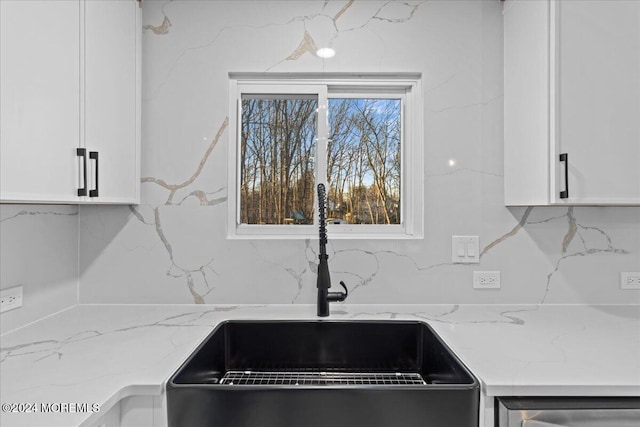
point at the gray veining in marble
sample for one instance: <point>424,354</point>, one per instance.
<point>546,255</point>
<point>104,353</point>
<point>173,247</point>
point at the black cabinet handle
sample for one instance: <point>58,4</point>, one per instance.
<point>564,157</point>
<point>82,152</point>
<point>94,156</point>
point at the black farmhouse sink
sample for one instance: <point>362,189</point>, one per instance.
<point>322,373</point>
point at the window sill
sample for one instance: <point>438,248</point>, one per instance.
<point>340,232</point>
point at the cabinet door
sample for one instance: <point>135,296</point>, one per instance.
<point>111,100</point>
<point>598,101</point>
<point>39,100</point>
<point>526,103</point>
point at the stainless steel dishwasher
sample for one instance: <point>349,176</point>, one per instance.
<point>569,412</point>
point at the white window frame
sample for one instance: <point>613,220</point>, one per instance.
<point>405,86</point>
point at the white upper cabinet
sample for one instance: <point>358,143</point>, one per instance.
<point>70,93</point>
<point>39,100</point>
<point>111,96</point>
<point>572,102</point>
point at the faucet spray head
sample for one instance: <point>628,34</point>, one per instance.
<point>324,278</point>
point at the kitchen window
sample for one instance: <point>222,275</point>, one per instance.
<point>360,135</point>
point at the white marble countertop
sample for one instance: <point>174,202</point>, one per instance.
<point>103,353</point>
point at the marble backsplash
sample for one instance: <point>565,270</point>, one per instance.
<point>172,248</point>
<point>38,251</point>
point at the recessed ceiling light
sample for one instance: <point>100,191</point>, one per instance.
<point>452,162</point>
<point>326,52</point>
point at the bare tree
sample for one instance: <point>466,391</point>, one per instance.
<point>363,160</point>
<point>277,142</point>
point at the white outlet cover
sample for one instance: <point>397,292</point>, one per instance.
<point>486,280</point>
<point>630,280</point>
<point>10,298</point>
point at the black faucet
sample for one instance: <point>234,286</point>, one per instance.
<point>324,279</point>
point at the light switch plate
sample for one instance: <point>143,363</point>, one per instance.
<point>465,249</point>
<point>10,298</point>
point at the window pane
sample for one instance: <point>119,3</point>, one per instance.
<point>363,160</point>
<point>277,156</point>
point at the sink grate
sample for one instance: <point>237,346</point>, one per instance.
<point>321,378</point>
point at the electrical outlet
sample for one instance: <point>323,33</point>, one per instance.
<point>486,280</point>
<point>630,280</point>
<point>10,298</point>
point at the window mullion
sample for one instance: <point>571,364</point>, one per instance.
<point>238,130</point>
<point>321,145</point>
<point>405,150</point>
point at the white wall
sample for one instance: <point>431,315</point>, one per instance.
<point>172,248</point>
<point>38,250</point>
